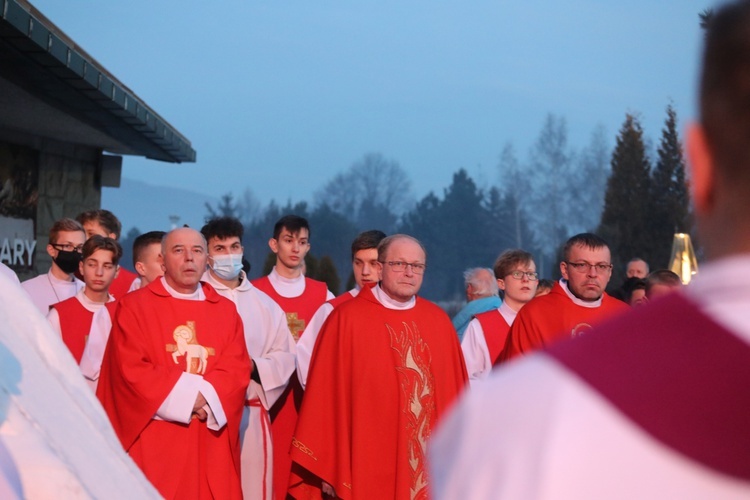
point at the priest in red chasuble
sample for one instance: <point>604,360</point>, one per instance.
<point>174,377</point>
<point>386,366</point>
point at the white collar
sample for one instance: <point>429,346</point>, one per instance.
<point>576,300</point>
<point>390,303</point>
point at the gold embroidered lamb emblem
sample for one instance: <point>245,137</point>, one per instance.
<point>196,356</point>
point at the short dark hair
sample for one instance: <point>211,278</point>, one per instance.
<point>65,224</point>
<point>223,228</point>
<point>508,260</point>
<point>145,240</point>
<point>545,284</point>
<point>586,240</point>
<point>105,218</point>
<point>663,277</point>
<point>97,242</point>
<point>724,90</point>
<point>631,285</point>
<point>292,223</point>
<point>367,239</point>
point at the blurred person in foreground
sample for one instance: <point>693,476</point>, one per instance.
<point>653,404</point>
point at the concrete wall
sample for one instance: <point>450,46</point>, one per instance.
<point>68,185</point>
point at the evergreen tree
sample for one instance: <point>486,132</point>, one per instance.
<point>625,219</point>
<point>669,194</point>
<point>328,274</point>
<point>269,263</point>
<point>454,231</point>
<point>311,266</point>
<point>225,208</point>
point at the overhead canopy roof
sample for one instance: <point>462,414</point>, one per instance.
<point>50,87</point>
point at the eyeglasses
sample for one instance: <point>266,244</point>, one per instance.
<point>583,267</point>
<point>67,247</point>
<point>532,276</point>
<point>400,266</point>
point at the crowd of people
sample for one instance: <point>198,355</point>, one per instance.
<point>219,386</point>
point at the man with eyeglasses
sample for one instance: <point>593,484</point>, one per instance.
<point>576,303</point>
<point>487,333</point>
<point>66,239</point>
<point>386,366</point>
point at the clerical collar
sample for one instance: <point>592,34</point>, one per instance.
<point>508,314</point>
<point>389,303</point>
<point>287,287</point>
<point>196,295</point>
<point>576,300</point>
<point>88,303</point>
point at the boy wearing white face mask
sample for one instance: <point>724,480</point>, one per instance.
<point>269,343</point>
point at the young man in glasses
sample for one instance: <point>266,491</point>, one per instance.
<point>487,333</point>
<point>66,239</point>
<point>576,302</point>
<point>387,364</point>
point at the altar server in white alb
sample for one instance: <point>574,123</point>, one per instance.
<point>269,343</point>
<point>66,239</point>
<point>653,404</point>
<point>487,333</point>
<point>366,271</point>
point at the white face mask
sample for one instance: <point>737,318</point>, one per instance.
<point>228,266</point>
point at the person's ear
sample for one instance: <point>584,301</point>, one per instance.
<point>274,244</point>
<point>701,168</point>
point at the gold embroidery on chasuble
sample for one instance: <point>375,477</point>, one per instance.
<point>196,356</point>
<point>417,385</point>
<point>296,325</point>
<point>304,449</point>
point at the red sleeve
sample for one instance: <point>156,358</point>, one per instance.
<point>324,413</point>
<point>132,384</point>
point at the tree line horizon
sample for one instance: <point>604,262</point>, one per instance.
<point>633,198</point>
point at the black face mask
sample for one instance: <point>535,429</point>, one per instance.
<point>68,261</point>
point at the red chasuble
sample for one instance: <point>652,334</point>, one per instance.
<point>122,283</point>
<point>299,310</point>
<point>495,331</point>
<point>154,339</point>
<point>554,317</point>
<point>379,380</point>
<point>75,324</point>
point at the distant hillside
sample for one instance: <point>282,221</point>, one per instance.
<point>148,207</point>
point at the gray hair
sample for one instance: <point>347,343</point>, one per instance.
<point>482,280</point>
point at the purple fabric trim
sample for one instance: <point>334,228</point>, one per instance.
<point>677,374</point>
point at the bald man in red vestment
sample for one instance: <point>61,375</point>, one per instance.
<point>174,376</point>
<point>386,366</point>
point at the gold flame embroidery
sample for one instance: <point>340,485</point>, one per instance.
<point>417,385</point>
